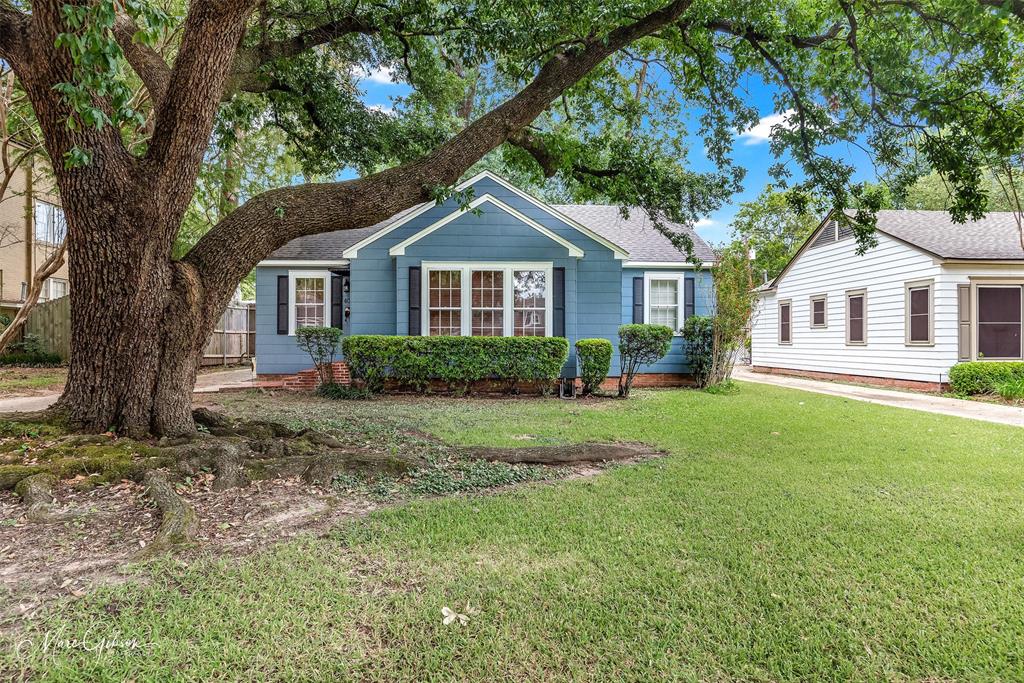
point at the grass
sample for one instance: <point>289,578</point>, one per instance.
<point>1011,390</point>
<point>788,536</point>
<point>26,381</point>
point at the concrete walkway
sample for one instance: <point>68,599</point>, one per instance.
<point>929,403</point>
<point>209,382</point>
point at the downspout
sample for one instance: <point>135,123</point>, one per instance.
<point>29,226</point>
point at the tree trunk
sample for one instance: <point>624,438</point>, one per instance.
<point>139,322</point>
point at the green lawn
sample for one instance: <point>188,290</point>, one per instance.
<point>788,536</point>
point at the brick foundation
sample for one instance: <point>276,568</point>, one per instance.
<point>307,380</point>
<point>888,382</point>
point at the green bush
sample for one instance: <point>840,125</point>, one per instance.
<point>342,392</point>
<point>321,343</point>
<point>1011,389</point>
<point>37,359</point>
<point>413,362</point>
<point>595,357</point>
<point>699,333</point>
<point>981,377</point>
<point>640,345</point>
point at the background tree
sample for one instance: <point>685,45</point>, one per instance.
<point>773,226</point>
<point>589,92</point>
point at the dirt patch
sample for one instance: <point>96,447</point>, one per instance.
<point>114,524</point>
<point>16,382</point>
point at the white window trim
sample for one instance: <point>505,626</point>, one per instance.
<point>467,268</point>
<point>908,287</point>
<point>680,279</point>
<point>399,249</point>
<point>293,275</point>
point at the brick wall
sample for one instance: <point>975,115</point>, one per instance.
<point>306,379</point>
<point>915,385</point>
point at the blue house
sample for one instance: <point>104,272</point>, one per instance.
<point>509,264</point>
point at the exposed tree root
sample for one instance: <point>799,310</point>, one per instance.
<point>564,455</point>
<point>179,522</point>
<point>36,492</point>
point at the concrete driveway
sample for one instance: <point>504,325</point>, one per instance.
<point>235,378</point>
<point>928,403</point>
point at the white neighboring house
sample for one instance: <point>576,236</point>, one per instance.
<point>932,293</point>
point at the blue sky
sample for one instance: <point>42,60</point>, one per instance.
<point>750,151</point>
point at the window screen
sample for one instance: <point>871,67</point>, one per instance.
<point>920,314</point>
<point>855,319</point>
<point>999,322</point>
<point>785,323</point>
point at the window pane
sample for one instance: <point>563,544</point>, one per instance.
<point>856,329</point>
<point>446,322</point>
<point>664,292</point>
<point>528,324</point>
<point>856,306</point>
<point>445,288</point>
<point>999,340</point>
<point>999,304</point>
<point>50,226</point>
<point>529,300</point>
<point>665,315</point>
<point>919,301</point>
<point>529,288</point>
<point>919,328</point>
<point>309,301</point>
<point>818,312</point>
<point>785,323</point>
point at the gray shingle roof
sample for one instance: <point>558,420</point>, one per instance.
<point>636,235</point>
<point>995,237</point>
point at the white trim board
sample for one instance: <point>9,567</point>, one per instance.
<point>399,249</point>
<point>620,253</point>
<point>680,280</point>
<point>300,263</point>
<point>667,264</point>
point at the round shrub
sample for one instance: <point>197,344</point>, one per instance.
<point>595,356</point>
<point>640,345</point>
<point>982,377</point>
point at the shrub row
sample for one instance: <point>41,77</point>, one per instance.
<point>982,377</point>
<point>595,356</point>
<point>37,359</point>
<point>414,362</point>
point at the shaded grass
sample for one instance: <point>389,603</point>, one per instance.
<point>27,381</point>
<point>788,536</point>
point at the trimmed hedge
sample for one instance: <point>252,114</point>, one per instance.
<point>34,359</point>
<point>595,360</point>
<point>981,377</point>
<point>640,345</point>
<point>414,362</point>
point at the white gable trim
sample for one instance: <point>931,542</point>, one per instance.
<point>399,249</point>
<point>620,253</point>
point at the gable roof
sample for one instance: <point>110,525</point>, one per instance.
<point>995,237</point>
<point>399,249</point>
<point>637,233</point>
<point>633,239</point>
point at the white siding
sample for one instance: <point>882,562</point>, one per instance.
<point>883,271</point>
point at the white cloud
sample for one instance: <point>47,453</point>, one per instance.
<point>378,74</point>
<point>705,223</point>
<point>763,130</point>
<point>382,108</point>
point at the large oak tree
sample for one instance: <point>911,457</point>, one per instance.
<point>606,96</point>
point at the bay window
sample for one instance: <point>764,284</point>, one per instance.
<point>999,321</point>
<point>487,299</point>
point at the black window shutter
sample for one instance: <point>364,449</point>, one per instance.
<point>689,303</point>
<point>337,304</point>
<point>638,300</point>
<point>415,297</point>
<point>558,305</point>
<point>282,304</point>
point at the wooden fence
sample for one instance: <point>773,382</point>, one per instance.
<point>232,341</point>
<point>234,338</point>
<point>51,322</point>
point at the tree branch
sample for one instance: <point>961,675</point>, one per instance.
<point>13,33</point>
<point>184,119</point>
<point>749,33</point>
<point>1015,7</point>
<point>228,252</point>
<point>144,60</point>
